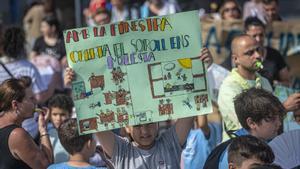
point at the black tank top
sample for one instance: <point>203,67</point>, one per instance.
<point>7,160</point>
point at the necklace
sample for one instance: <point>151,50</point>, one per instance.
<point>244,83</point>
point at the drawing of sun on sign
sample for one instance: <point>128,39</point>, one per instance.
<point>88,124</point>
<point>177,77</point>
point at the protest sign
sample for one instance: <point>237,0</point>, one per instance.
<point>137,72</point>
<point>218,34</point>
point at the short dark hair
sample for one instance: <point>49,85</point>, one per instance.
<point>257,104</point>
<point>69,136</point>
<point>247,147</point>
<point>265,166</point>
<point>61,101</point>
<point>269,1</point>
<point>253,21</point>
<point>14,42</point>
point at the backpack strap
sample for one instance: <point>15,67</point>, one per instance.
<point>5,68</point>
<point>102,154</point>
<point>213,159</point>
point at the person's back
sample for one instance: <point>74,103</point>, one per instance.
<point>80,148</point>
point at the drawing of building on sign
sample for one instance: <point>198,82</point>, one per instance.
<point>165,107</point>
<point>106,118</point>
<point>143,117</point>
<point>88,124</point>
<point>117,75</point>
<point>96,81</point>
<point>176,77</point>
<point>122,117</point>
<point>201,99</point>
<point>120,97</point>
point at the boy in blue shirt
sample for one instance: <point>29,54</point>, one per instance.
<point>80,148</point>
<point>259,113</point>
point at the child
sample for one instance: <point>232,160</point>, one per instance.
<point>146,150</point>
<point>80,148</point>
<point>260,113</point>
<point>247,150</point>
<point>60,108</point>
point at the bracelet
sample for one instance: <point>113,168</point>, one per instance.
<point>45,134</point>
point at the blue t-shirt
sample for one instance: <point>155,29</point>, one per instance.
<point>198,147</point>
<point>223,163</point>
<point>67,166</point>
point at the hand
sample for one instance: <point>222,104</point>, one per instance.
<point>206,56</point>
<point>69,76</point>
<point>43,120</point>
<point>292,103</point>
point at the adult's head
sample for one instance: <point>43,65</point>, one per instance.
<point>118,3</point>
<point>255,28</point>
<point>271,10</point>
<point>157,3</point>
<point>259,112</point>
<point>245,151</point>
<point>50,25</point>
<point>60,107</point>
<point>143,135</point>
<point>230,10</point>
<point>102,16</point>
<point>16,98</point>
<point>246,51</point>
<point>13,42</point>
<point>73,142</point>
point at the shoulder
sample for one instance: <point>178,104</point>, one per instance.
<point>19,137</point>
<point>60,166</point>
<point>271,52</point>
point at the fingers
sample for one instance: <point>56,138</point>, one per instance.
<point>69,76</point>
<point>206,56</point>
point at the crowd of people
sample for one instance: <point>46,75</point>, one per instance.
<point>38,126</point>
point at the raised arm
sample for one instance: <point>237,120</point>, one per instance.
<point>107,141</point>
<point>183,126</point>
<point>23,147</point>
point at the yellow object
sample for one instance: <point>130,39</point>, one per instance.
<point>185,63</point>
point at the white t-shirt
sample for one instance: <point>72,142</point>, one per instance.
<point>19,68</point>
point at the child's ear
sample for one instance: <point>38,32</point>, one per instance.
<point>252,125</point>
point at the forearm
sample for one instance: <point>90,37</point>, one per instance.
<point>183,127</point>
<point>46,148</point>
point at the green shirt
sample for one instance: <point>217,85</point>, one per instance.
<point>233,85</point>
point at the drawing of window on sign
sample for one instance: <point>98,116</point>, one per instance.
<point>176,77</point>
<point>88,124</point>
<point>79,91</point>
<point>201,99</point>
<point>143,117</point>
<point>96,81</point>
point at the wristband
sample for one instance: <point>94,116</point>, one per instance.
<point>45,134</point>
